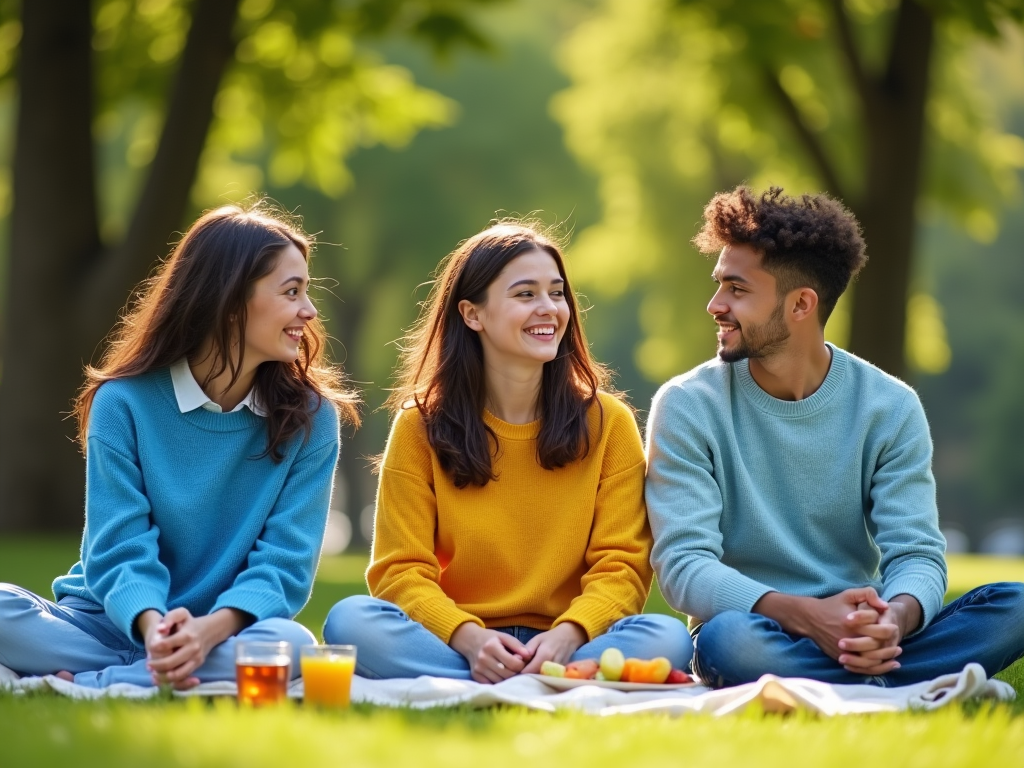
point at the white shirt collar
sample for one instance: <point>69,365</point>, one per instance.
<point>190,395</point>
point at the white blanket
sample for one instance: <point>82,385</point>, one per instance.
<point>770,693</point>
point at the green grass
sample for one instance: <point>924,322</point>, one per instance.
<point>48,730</point>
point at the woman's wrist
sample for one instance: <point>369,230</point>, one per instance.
<point>225,623</point>
<point>573,633</point>
<point>464,636</point>
<point>145,622</point>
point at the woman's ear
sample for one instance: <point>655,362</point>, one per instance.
<point>470,315</point>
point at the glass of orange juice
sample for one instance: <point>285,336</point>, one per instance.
<point>263,671</point>
<point>327,674</point>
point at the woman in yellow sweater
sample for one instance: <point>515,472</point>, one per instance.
<point>510,525</point>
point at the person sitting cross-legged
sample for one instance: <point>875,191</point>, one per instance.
<point>510,526</point>
<point>789,482</point>
<point>210,433</point>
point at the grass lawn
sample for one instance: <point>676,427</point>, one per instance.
<point>47,730</point>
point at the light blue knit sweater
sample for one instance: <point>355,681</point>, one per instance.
<point>179,512</point>
<point>748,494</point>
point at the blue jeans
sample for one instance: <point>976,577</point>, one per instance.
<point>39,637</point>
<point>985,626</point>
<point>390,644</point>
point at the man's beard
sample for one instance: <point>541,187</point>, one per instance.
<point>758,341</point>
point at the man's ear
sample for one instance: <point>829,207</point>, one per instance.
<point>470,315</point>
<point>805,304</point>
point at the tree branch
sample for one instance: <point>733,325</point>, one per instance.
<point>161,208</point>
<point>848,45</point>
<point>806,136</point>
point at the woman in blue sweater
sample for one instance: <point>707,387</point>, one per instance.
<point>211,435</point>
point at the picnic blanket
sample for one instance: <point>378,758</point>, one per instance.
<point>774,694</point>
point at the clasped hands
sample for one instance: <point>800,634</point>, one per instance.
<point>862,631</point>
<point>856,627</point>
<point>178,643</point>
<point>494,656</point>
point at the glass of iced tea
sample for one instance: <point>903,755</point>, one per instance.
<point>327,674</point>
<point>263,671</point>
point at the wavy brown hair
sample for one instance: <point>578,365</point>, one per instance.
<point>441,370</point>
<point>199,294</point>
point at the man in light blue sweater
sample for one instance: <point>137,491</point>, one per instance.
<point>789,482</point>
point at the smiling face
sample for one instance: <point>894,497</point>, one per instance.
<point>746,306</point>
<point>525,313</point>
<point>278,310</point>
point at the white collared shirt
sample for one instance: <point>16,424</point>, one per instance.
<point>190,395</point>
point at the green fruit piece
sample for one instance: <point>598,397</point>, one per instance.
<point>600,676</point>
<point>612,662</point>
<point>552,669</point>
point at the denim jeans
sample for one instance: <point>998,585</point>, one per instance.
<point>390,644</point>
<point>39,637</point>
<point>985,626</point>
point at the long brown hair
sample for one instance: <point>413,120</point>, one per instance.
<point>441,369</point>
<point>199,293</point>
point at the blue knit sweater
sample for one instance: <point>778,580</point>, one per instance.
<point>749,494</point>
<point>179,512</point>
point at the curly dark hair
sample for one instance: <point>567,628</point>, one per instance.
<point>811,241</point>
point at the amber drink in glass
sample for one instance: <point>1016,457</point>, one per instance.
<point>263,671</point>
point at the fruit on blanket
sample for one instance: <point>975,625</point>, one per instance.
<point>552,669</point>
<point>581,670</point>
<point>612,662</point>
<point>629,669</point>
<point>677,676</point>
<point>643,671</point>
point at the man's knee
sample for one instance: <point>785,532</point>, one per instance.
<point>730,648</point>
<point>1010,594</point>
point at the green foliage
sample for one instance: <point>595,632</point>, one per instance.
<point>975,408</point>
<point>984,16</point>
<point>303,93</point>
<point>672,100</point>
<point>408,209</point>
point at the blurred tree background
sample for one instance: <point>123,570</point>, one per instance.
<point>397,128</point>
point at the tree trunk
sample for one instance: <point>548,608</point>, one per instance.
<point>54,241</point>
<point>63,286</point>
<point>894,116</point>
<point>162,206</point>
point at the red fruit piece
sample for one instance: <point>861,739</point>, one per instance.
<point>677,676</point>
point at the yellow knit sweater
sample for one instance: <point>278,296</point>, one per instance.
<point>533,548</point>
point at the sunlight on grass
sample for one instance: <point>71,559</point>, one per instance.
<point>43,731</point>
<point>342,569</point>
<point>969,571</point>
